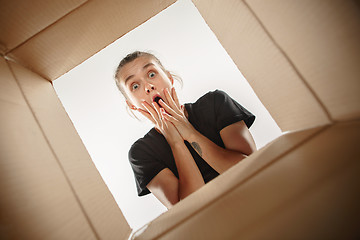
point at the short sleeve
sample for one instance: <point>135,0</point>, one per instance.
<point>228,111</point>
<point>144,165</point>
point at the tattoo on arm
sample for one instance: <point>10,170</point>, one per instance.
<point>197,148</point>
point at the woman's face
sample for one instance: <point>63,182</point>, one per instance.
<point>144,80</point>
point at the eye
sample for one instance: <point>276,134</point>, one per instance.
<point>151,74</point>
<point>134,86</point>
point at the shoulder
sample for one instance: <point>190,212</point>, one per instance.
<point>220,95</point>
<point>211,97</point>
<point>208,103</point>
<point>213,94</point>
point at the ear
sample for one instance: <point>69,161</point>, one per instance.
<point>131,106</point>
<point>170,77</point>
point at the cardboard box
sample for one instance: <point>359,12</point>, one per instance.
<point>300,57</point>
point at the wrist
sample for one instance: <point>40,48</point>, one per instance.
<point>193,134</point>
<point>177,144</point>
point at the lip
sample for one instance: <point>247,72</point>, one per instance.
<point>155,96</point>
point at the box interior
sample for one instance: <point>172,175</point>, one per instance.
<point>301,59</point>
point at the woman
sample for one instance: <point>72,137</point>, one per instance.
<point>190,144</point>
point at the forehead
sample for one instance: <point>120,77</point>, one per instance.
<point>134,67</point>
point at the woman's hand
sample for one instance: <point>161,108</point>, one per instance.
<point>154,114</point>
<point>176,115</point>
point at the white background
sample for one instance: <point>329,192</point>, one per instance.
<point>185,45</point>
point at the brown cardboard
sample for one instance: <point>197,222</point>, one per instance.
<point>36,201</point>
<point>79,35</point>
<point>86,182</point>
<point>329,36</point>
<point>20,20</point>
<point>276,82</point>
<point>2,50</point>
<point>301,59</point>
<point>310,191</point>
<point>227,182</point>
<point>9,91</point>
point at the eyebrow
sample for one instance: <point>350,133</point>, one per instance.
<point>144,67</point>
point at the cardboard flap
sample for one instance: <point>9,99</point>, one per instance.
<point>22,19</point>
<point>288,197</point>
<point>224,183</point>
<point>2,49</point>
<point>300,57</point>
<point>68,157</point>
<point>322,40</point>
<point>77,36</point>
<point>268,70</point>
<point>37,201</point>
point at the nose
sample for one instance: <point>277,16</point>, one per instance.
<point>149,87</point>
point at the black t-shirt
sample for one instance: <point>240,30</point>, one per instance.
<point>209,114</point>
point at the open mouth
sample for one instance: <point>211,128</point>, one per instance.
<point>157,99</point>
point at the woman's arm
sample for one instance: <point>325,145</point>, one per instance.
<point>238,145</point>
<point>164,186</point>
<point>170,190</point>
<point>236,137</point>
<point>190,178</point>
